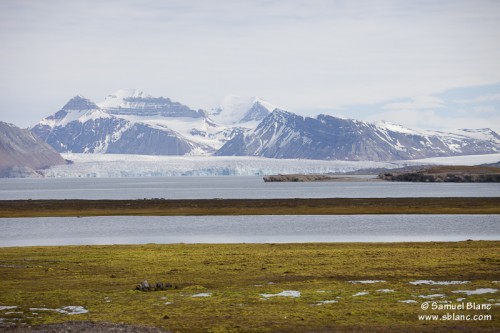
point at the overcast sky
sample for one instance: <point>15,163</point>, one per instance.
<point>394,60</point>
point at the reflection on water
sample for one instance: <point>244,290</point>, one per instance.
<point>246,229</point>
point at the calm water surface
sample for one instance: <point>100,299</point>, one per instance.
<point>246,229</point>
<point>227,187</point>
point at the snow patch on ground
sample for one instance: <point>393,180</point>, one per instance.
<point>202,295</point>
<point>285,293</point>
<point>432,296</point>
<point>367,281</point>
<point>67,310</point>
<point>437,283</point>
<point>7,307</point>
<point>408,301</point>
<point>326,302</point>
<point>479,291</point>
<point>361,293</point>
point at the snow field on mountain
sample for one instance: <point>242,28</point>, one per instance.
<point>461,160</point>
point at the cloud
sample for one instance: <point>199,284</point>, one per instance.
<point>416,103</point>
<point>429,119</point>
<point>299,54</point>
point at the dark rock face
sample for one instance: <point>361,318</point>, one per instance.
<point>78,103</point>
<point>21,152</point>
<point>91,136</point>
<point>286,135</point>
<point>455,174</point>
<point>142,139</point>
<point>256,112</point>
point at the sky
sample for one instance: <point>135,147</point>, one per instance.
<point>422,64</point>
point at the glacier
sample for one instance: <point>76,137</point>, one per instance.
<point>121,165</point>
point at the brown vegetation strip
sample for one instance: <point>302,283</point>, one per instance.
<point>328,206</point>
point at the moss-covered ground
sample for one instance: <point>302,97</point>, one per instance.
<point>193,207</point>
<point>233,284</point>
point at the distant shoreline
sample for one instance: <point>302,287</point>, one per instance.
<point>214,207</point>
<point>425,174</point>
<point>320,178</point>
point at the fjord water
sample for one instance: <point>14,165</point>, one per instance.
<point>238,229</point>
<point>252,187</point>
<point>246,229</point>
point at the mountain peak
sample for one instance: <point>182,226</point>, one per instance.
<point>235,109</point>
<point>119,98</point>
<point>79,103</point>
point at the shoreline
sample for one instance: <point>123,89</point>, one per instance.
<point>206,207</point>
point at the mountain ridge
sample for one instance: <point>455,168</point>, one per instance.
<point>133,122</point>
<point>286,135</point>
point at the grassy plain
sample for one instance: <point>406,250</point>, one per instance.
<point>160,207</point>
<point>230,282</point>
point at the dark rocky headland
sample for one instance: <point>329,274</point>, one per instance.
<point>447,174</point>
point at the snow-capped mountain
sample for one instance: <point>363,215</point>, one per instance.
<point>133,122</point>
<point>137,103</point>
<point>286,135</point>
<point>239,110</point>
<point>83,127</point>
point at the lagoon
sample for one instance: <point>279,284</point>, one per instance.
<point>234,187</point>
<point>246,229</point>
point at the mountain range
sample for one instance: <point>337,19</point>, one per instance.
<point>133,122</point>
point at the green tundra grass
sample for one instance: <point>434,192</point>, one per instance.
<point>229,288</point>
<point>194,207</point>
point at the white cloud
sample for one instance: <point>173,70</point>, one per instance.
<point>416,103</point>
<point>430,119</point>
<point>416,119</point>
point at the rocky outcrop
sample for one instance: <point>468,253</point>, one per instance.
<point>146,286</point>
<point>19,172</point>
<point>21,152</point>
<point>447,175</point>
<point>296,178</point>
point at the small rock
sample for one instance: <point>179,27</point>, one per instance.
<point>144,286</point>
